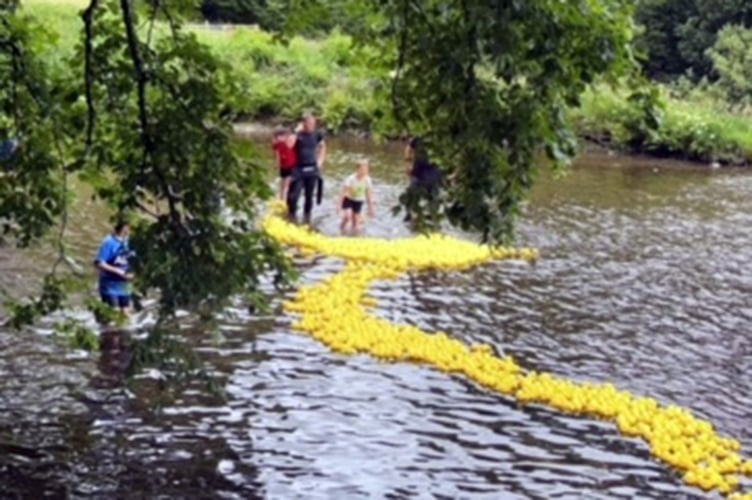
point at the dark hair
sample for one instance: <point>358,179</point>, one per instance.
<point>120,225</point>
<point>420,152</point>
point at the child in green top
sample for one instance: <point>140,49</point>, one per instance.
<point>356,190</point>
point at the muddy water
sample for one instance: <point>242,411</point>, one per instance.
<point>644,281</point>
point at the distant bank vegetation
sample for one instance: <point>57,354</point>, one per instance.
<point>700,62</point>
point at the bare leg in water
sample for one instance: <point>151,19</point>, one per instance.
<point>345,219</point>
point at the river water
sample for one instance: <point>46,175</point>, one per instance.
<point>644,281</point>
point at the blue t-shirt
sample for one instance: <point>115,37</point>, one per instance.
<point>115,253</point>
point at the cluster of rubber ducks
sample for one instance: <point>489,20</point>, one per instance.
<point>435,251</point>
<point>335,312</point>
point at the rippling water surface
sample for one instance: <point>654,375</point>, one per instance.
<point>644,281</point>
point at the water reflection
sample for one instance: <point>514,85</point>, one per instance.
<point>114,358</point>
<point>641,282</point>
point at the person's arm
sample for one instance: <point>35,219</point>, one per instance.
<point>115,270</point>
<point>321,157</point>
<point>110,269</point>
<point>105,254</point>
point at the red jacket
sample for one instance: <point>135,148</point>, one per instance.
<point>287,158</point>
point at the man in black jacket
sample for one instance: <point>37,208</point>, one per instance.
<point>310,149</point>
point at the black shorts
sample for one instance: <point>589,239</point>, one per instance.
<point>284,173</point>
<point>119,301</point>
<point>355,206</point>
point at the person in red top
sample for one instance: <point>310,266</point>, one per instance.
<point>283,144</point>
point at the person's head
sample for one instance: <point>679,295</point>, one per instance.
<point>309,122</point>
<point>363,167</point>
<point>281,134</point>
<point>416,143</point>
<point>122,229</point>
<point>418,148</point>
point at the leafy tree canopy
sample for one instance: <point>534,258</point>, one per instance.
<point>732,60</point>
<point>146,121</point>
<point>677,33</point>
<point>488,85</point>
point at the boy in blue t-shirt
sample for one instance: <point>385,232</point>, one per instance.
<point>114,268</point>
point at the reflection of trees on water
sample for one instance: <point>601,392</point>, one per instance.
<point>122,356</point>
<point>115,357</point>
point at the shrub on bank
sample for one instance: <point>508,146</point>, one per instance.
<point>696,127</point>
<point>325,76</point>
<point>282,81</point>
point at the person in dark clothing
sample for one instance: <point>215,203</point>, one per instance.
<point>310,150</point>
<point>424,175</point>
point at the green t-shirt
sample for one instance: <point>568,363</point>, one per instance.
<point>357,188</point>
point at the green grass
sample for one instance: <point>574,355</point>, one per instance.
<point>285,80</point>
<point>62,20</point>
<point>331,79</point>
<point>281,80</point>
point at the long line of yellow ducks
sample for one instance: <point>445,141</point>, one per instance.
<point>334,312</point>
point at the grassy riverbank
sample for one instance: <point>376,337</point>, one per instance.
<point>326,76</point>
<point>696,127</point>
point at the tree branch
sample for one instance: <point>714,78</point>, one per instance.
<point>20,70</point>
<point>148,212</point>
<point>396,106</point>
<point>88,17</point>
<point>142,79</point>
<point>174,26</point>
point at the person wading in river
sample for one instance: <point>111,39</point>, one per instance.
<point>357,190</point>
<point>310,150</point>
<point>283,145</point>
<point>425,177</point>
<point>114,268</point>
